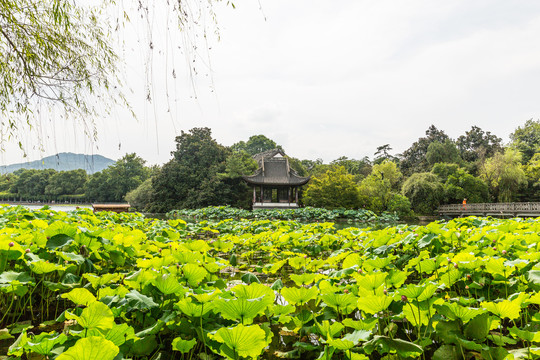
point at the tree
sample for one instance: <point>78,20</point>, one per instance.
<point>442,152</point>
<point>141,197</point>
<point>461,185</point>
<point>383,153</point>
<point>53,53</point>
<point>424,191</point>
<point>113,183</point>
<point>31,182</point>
<point>379,187</point>
<point>359,168</point>
<point>526,139</point>
<point>67,183</point>
<point>190,179</point>
<point>477,145</point>
<point>255,145</point>
<point>414,158</point>
<point>504,175</point>
<point>333,189</point>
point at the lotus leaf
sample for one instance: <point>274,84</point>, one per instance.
<point>366,324</point>
<point>8,277</point>
<point>299,295</point>
<point>91,348</point>
<point>95,316</point>
<point>183,346</point>
<point>45,342</point>
<point>374,303</point>
<point>385,345</point>
<point>45,267</point>
<point>503,309</point>
<point>350,340</point>
<point>254,291</point>
<point>194,274</point>
<point>191,309</point>
<point>167,284</point>
<point>138,301</point>
<point>330,330</point>
<point>80,296</point>
<point>243,310</point>
<point>453,311</point>
<point>241,341</point>
<point>305,279</point>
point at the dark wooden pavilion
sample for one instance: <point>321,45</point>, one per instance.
<point>275,184</point>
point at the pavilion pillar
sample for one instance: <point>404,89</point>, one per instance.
<point>296,189</point>
<point>289,194</point>
<point>254,194</point>
<point>262,194</point>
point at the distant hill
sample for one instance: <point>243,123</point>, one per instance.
<point>63,162</point>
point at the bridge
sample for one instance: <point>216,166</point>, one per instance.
<point>528,209</point>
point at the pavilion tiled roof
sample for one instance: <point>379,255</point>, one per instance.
<point>275,171</point>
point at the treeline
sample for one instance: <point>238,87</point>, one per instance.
<point>109,185</point>
<point>433,170</point>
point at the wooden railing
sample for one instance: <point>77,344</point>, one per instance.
<point>493,209</point>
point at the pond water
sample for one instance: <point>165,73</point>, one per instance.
<point>55,207</point>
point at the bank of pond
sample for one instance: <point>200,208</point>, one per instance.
<point>79,285</point>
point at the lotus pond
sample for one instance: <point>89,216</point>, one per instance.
<point>109,286</point>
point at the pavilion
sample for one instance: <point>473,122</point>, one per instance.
<point>275,184</point>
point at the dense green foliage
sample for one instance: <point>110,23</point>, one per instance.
<point>303,214</point>
<point>117,286</point>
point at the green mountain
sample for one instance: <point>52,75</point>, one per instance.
<point>63,162</point>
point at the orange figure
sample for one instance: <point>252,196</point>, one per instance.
<point>464,206</point>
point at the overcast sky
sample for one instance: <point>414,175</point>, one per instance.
<point>322,78</point>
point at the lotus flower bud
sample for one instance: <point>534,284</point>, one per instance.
<point>385,292</point>
<point>494,248</point>
<point>27,251</point>
<point>455,265</point>
<point>11,244</point>
<point>504,252</point>
<point>404,298</point>
<point>346,291</point>
<point>466,287</point>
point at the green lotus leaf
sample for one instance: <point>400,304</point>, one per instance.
<point>366,324</point>
<point>91,348</point>
<point>299,295</point>
<point>371,282</point>
<point>8,277</point>
<point>138,301</point>
<point>254,291</point>
<point>18,289</point>
<point>350,340</point>
<point>449,278</point>
<point>447,352</point>
<point>305,279</point>
<point>4,334</point>
<point>534,276</point>
<point>374,304</point>
<point>197,245</point>
<point>396,278</point>
<point>191,309</point>
<point>503,309</point>
<point>330,330</point>
<point>79,259</point>
<point>245,341</point>
<point>386,345</point>
<point>243,310</point>
<point>119,334</point>
<point>274,268</point>
<point>194,274</point>
<point>139,279</point>
<point>351,260</point>
<point>454,311</point>
<point>206,296</point>
<point>249,278</point>
<point>356,356</point>
<point>277,285</point>
<point>184,346</point>
<point>426,266</point>
<point>45,342</point>
<point>478,327</point>
<point>80,296</point>
<point>416,315</point>
<point>167,284</point>
<point>58,241</point>
<point>298,262</point>
<point>378,263</point>
<point>418,292</point>
<point>60,227</point>
<point>222,246</point>
<point>343,303</point>
<point>525,335</point>
<point>99,281</point>
<point>45,267</point>
<point>95,316</point>
<point>496,267</point>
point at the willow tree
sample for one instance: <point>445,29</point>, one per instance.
<point>53,53</point>
<point>58,55</point>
